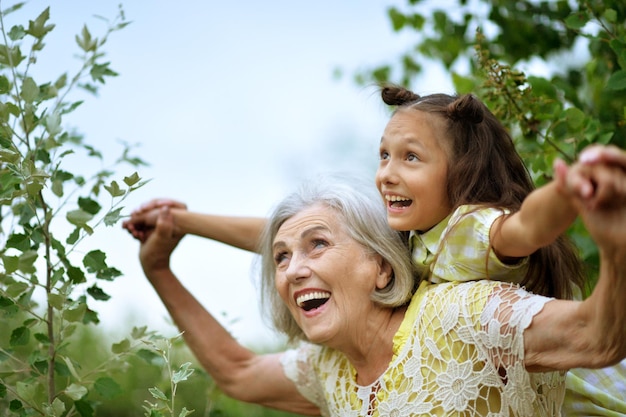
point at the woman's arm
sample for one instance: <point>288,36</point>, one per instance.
<point>238,372</point>
<point>240,232</point>
<point>591,333</point>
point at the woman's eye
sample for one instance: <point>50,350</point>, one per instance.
<point>319,243</point>
<point>280,257</point>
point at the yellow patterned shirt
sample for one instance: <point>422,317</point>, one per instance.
<point>458,249</point>
<point>459,352</point>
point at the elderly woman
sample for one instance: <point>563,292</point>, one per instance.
<point>337,278</point>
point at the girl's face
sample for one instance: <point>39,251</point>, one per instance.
<point>413,168</point>
<point>325,277</point>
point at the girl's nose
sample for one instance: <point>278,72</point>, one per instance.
<point>386,174</point>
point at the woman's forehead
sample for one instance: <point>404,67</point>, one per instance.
<point>316,217</point>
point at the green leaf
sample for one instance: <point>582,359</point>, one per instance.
<point>18,241</point>
<point>85,40</point>
<point>76,275</point>
<point>11,57</point>
<point>26,262</point>
<point>42,338</point>
<point>10,263</point>
<point>107,387</point>
<point>89,205</point>
<point>76,392</point>
<point>17,33</point>
<point>84,408</point>
<point>20,336</point>
<point>610,15</point>
<point>15,405</point>
<point>76,314</point>
<point>149,356</point>
<point>113,216</point>
<point>38,27</point>
<point>575,118</point>
<point>184,412</point>
<point>157,393</point>
<point>97,293</point>
<point>95,261</point>
<point>30,91</point>
<point>3,390</point>
<point>57,301</point>
<point>79,217</point>
<point>617,81</point>
<point>132,179</point>
<point>15,289</point>
<point>577,21</point>
<point>73,237</point>
<point>183,373</point>
<point>114,189</point>
<point>99,71</point>
<point>6,302</point>
<point>4,84</point>
<point>121,347</point>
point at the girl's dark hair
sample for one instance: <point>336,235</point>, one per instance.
<point>485,169</point>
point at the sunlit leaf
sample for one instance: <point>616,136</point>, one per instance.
<point>76,391</point>
<point>113,216</point>
<point>157,393</point>
<point>120,347</point>
<point>182,373</point>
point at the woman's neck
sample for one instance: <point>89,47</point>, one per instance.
<point>372,349</point>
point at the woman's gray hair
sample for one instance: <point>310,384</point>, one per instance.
<point>361,210</point>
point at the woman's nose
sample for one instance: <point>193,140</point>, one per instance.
<point>298,268</point>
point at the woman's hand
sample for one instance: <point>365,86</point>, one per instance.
<point>158,243</point>
<point>143,219</point>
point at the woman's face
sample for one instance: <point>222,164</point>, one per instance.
<point>412,174</point>
<point>325,277</point>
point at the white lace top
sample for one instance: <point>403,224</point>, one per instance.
<point>459,352</point>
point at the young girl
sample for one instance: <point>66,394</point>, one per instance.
<point>452,179</point>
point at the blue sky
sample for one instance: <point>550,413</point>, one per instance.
<point>231,104</point>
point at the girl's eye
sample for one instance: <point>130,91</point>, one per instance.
<point>384,155</point>
<point>412,157</point>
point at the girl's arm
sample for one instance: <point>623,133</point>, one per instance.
<point>240,232</point>
<point>545,214</point>
<point>239,372</point>
<point>591,333</point>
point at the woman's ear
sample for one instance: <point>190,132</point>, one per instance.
<point>385,272</point>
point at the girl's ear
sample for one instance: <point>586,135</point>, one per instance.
<point>385,272</point>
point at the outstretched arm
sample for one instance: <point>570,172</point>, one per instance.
<point>239,372</point>
<point>591,333</point>
<point>240,232</point>
<point>545,214</point>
